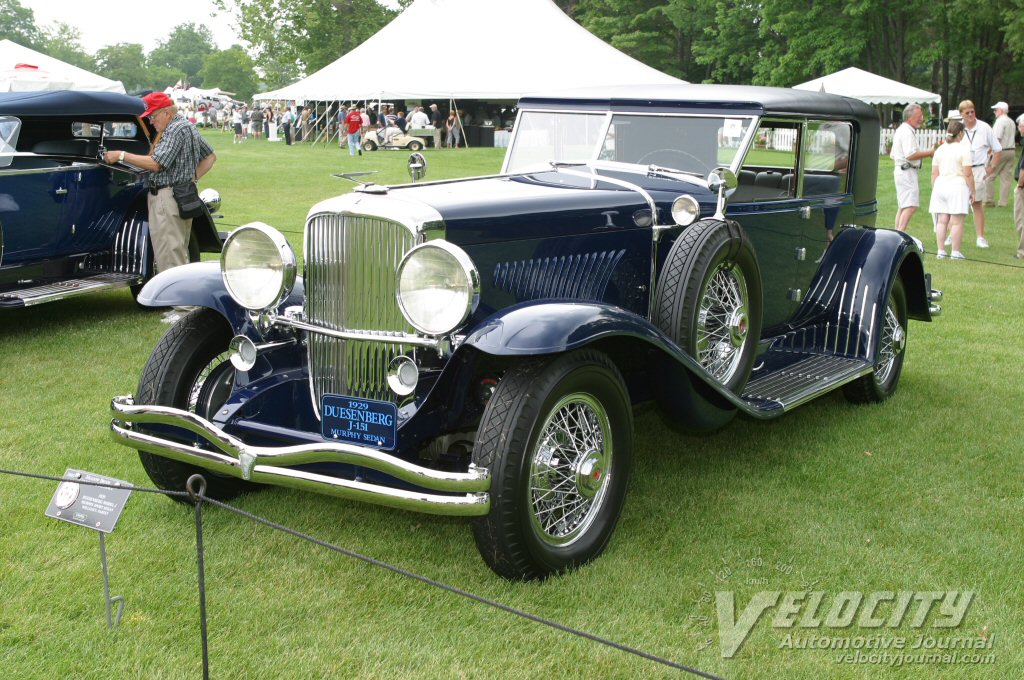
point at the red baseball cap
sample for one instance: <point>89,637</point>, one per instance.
<point>156,101</point>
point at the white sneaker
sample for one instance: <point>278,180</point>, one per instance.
<point>949,241</point>
<point>981,242</point>
<point>957,255</point>
<point>941,254</point>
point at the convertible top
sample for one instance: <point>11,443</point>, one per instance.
<point>69,103</point>
<point>738,98</point>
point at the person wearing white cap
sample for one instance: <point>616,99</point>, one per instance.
<point>1003,127</point>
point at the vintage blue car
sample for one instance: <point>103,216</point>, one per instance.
<point>476,347</point>
<point>69,223</point>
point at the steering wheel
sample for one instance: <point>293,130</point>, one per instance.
<point>649,157</point>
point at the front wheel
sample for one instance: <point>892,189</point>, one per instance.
<point>557,438</point>
<point>369,146</point>
<point>881,383</point>
<point>190,369</point>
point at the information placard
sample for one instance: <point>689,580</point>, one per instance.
<point>95,507</point>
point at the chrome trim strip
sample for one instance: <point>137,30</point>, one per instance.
<point>240,460</point>
<point>42,171</point>
<point>395,338</point>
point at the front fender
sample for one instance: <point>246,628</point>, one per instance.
<point>200,285</point>
<point>552,327</point>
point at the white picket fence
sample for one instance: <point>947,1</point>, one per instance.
<point>926,139</point>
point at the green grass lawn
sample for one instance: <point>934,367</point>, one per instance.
<point>922,493</point>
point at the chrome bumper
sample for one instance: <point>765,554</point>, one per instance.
<point>269,465</point>
<point>934,296</point>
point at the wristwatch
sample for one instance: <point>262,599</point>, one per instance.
<point>120,159</point>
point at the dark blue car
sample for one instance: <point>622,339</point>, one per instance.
<point>476,347</point>
<point>70,224</point>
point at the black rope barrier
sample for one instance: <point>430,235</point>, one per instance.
<point>196,488</point>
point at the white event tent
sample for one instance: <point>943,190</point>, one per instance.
<point>869,88</point>
<point>472,49</point>
<point>25,70</point>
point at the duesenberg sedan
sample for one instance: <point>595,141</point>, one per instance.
<point>69,223</point>
<point>477,347</point>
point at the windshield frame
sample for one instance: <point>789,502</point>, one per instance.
<point>741,149</point>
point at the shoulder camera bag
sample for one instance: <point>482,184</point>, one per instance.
<point>187,196</point>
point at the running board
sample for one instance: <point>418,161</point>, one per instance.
<point>788,379</point>
<point>58,290</point>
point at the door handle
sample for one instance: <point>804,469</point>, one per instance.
<point>805,212</point>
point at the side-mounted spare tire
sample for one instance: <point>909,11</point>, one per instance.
<point>709,302</point>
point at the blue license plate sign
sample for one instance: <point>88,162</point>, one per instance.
<point>359,421</point>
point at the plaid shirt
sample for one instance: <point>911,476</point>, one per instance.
<point>178,152</point>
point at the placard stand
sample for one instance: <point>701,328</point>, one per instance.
<point>118,599</point>
<point>94,502</point>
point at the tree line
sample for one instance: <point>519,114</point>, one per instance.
<point>952,47</point>
<point>958,49</point>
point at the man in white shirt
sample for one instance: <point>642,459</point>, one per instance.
<point>419,119</point>
<point>1004,131</point>
<point>985,149</point>
<point>908,160</point>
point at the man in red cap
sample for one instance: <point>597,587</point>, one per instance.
<point>179,155</point>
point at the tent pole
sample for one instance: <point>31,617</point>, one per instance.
<point>458,121</point>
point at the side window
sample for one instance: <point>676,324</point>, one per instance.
<point>9,129</point>
<point>826,157</point>
<point>768,173</point>
<point>119,130</point>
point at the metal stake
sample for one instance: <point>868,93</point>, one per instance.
<point>118,599</point>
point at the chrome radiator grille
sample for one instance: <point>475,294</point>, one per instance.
<point>350,285</point>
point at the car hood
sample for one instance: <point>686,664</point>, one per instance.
<point>494,209</point>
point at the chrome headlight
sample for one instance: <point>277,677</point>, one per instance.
<point>258,266</point>
<point>438,287</point>
<point>685,210</point>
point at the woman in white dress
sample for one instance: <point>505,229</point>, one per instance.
<point>952,189</point>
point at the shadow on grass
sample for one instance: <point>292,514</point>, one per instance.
<point>57,317</point>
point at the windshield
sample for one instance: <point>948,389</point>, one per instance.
<point>695,144</point>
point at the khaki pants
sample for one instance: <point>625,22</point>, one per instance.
<point>167,232</point>
<point>1004,173</point>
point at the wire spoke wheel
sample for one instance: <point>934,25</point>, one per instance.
<point>722,323</point>
<point>557,438</point>
<point>212,386</point>
<point>890,345</point>
<point>570,469</point>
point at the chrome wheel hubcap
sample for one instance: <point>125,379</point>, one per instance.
<point>570,470</point>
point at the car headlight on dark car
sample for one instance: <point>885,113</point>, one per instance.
<point>258,266</point>
<point>438,287</point>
